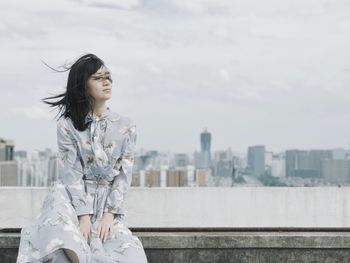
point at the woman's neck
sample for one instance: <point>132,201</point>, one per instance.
<point>99,108</point>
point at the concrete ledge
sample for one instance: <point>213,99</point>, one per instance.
<point>227,246</point>
<point>207,207</point>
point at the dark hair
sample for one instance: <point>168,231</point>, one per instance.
<point>76,101</point>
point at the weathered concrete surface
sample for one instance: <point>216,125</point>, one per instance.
<point>249,256</point>
<point>207,207</point>
<point>252,247</point>
<point>226,240</point>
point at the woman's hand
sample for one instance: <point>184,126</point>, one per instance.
<point>105,225</point>
<point>85,226</point>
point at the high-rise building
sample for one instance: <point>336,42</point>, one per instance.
<point>316,157</point>
<point>135,182</point>
<point>336,171</point>
<point>181,160</point>
<point>223,163</point>
<point>37,169</point>
<point>6,150</point>
<point>183,177</point>
<point>306,164</point>
<point>163,175</point>
<point>296,163</point>
<point>8,173</point>
<point>256,160</point>
<point>203,158</point>
<point>339,153</point>
<point>8,166</point>
<point>177,177</point>
<point>191,177</point>
<point>173,178</point>
<point>278,165</point>
<point>200,177</point>
<point>52,175</point>
<point>153,178</point>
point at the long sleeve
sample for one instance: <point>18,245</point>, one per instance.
<point>71,170</point>
<point>122,181</point>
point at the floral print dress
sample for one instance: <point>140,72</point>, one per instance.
<point>95,172</point>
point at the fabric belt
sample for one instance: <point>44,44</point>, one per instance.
<point>98,182</point>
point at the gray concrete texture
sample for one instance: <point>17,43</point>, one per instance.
<point>207,207</point>
<point>197,247</point>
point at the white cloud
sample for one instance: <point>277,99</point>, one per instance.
<point>256,62</point>
<point>119,4</point>
<point>224,74</point>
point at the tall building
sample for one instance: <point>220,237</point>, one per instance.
<point>6,150</point>
<point>8,173</point>
<point>201,177</point>
<point>339,153</point>
<point>153,178</point>
<point>8,166</point>
<point>223,163</point>
<point>296,162</point>
<point>135,181</point>
<point>181,160</point>
<point>278,165</point>
<point>316,157</point>
<point>203,158</point>
<point>177,177</point>
<point>163,175</point>
<point>173,178</point>
<point>336,171</point>
<point>306,164</point>
<point>256,160</point>
<point>52,174</point>
<point>37,169</point>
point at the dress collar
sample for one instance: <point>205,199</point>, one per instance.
<point>108,114</point>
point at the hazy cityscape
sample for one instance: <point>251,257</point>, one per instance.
<point>204,168</point>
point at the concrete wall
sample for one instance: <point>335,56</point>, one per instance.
<point>206,206</point>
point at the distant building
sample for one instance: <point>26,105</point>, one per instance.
<point>256,160</point>
<point>8,173</point>
<point>203,158</point>
<point>37,169</point>
<point>135,182</point>
<point>173,178</point>
<point>181,160</point>
<point>296,163</point>
<point>20,154</point>
<point>339,154</point>
<point>278,165</point>
<point>152,178</point>
<point>201,177</point>
<point>336,171</point>
<point>147,159</point>
<point>163,175</point>
<point>8,166</point>
<point>306,164</point>
<point>223,163</point>
<point>6,150</point>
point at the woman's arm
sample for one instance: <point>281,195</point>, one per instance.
<point>122,181</point>
<point>71,170</point>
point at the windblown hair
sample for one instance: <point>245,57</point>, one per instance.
<point>76,101</point>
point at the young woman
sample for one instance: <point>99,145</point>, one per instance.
<point>83,217</point>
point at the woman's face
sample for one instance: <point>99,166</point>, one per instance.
<point>100,84</point>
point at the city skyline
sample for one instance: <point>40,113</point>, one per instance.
<point>239,153</point>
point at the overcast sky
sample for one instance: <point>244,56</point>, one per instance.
<point>273,72</point>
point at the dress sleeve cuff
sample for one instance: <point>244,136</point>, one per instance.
<point>114,210</point>
<point>83,209</point>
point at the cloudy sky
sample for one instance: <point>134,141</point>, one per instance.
<point>273,72</point>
